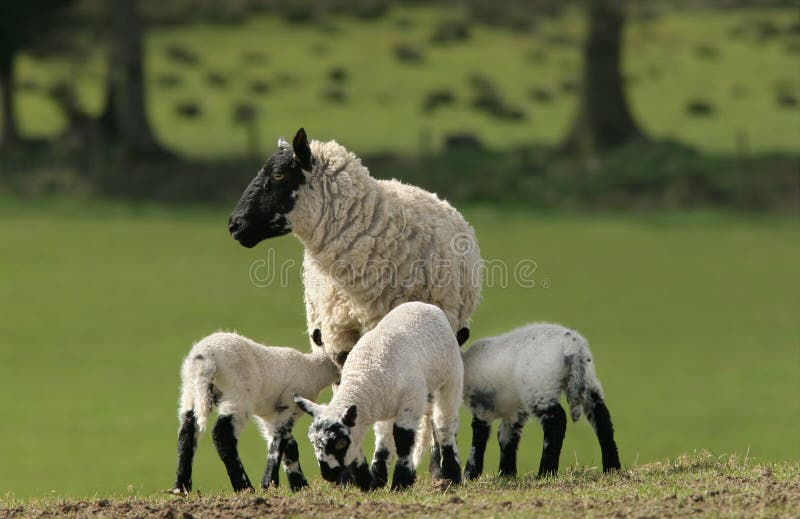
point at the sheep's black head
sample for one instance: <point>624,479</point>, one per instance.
<point>330,435</point>
<point>263,209</point>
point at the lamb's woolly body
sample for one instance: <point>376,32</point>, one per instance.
<point>246,380</point>
<point>373,244</point>
<point>407,364</point>
<point>249,379</point>
<point>521,374</point>
<point>528,368</point>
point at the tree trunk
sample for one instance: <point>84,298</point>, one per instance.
<point>10,134</point>
<point>126,114</point>
<point>604,119</point>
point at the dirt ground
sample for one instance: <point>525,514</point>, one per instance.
<point>626,495</point>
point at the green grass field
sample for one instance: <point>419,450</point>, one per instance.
<point>679,57</point>
<point>693,320</point>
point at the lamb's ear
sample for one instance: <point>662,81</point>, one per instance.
<point>306,405</point>
<point>349,416</point>
<point>302,151</point>
<point>282,144</point>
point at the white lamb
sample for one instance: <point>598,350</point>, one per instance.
<point>370,244</point>
<point>246,380</point>
<point>409,362</point>
<point>522,374</point>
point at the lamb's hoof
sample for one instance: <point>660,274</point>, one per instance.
<point>470,473</point>
<point>296,485</point>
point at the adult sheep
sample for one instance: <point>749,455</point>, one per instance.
<point>370,244</point>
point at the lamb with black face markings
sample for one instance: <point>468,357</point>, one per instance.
<point>522,374</point>
<point>406,368</point>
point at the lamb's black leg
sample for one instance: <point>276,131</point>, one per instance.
<point>380,467</point>
<point>345,477</point>
<point>291,464</point>
<point>508,435</point>
<point>271,477</point>
<point>187,445</point>
<point>600,419</point>
<point>451,468</point>
<point>435,465</point>
<point>360,473</point>
<point>554,425</point>
<point>480,435</point>
<point>225,439</point>
<point>404,473</point>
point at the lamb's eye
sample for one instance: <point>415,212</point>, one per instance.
<point>278,175</point>
<point>341,443</point>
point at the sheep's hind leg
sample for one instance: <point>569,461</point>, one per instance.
<point>404,432</point>
<point>480,436</point>
<point>554,425</point>
<point>445,425</point>
<point>225,435</point>
<point>187,445</point>
<point>384,450</point>
<point>600,418</point>
<point>277,446</point>
<point>508,435</point>
<point>435,465</point>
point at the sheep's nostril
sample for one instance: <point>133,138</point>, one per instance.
<point>234,225</point>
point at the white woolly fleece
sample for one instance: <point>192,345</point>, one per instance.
<point>371,245</point>
<point>412,353</point>
<point>519,371</point>
<point>251,380</point>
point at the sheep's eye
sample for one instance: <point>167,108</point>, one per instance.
<point>278,175</point>
<point>340,444</point>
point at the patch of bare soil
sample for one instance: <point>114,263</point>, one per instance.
<point>624,496</point>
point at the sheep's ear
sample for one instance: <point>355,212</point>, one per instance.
<point>302,151</point>
<point>349,416</point>
<point>306,405</point>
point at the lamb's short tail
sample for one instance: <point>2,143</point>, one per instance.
<point>424,438</point>
<point>197,377</point>
<point>582,382</point>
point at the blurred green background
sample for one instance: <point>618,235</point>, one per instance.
<point>674,250</point>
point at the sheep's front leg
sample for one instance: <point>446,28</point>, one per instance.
<point>275,452</point>
<point>291,464</point>
<point>480,436</point>
<point>226,436</point>
<point>554,425</point>
<point>187,445</point>
<point>508,435</point>
<point>404,432</point>
<point>360,473</point>
<point>384,450</point>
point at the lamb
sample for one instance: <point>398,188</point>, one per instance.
<point>523,373</point>
<point>246,380</point>
<point>410,362</point>
<point>370,244</point>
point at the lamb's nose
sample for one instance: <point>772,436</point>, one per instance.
<point>234,225</point>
